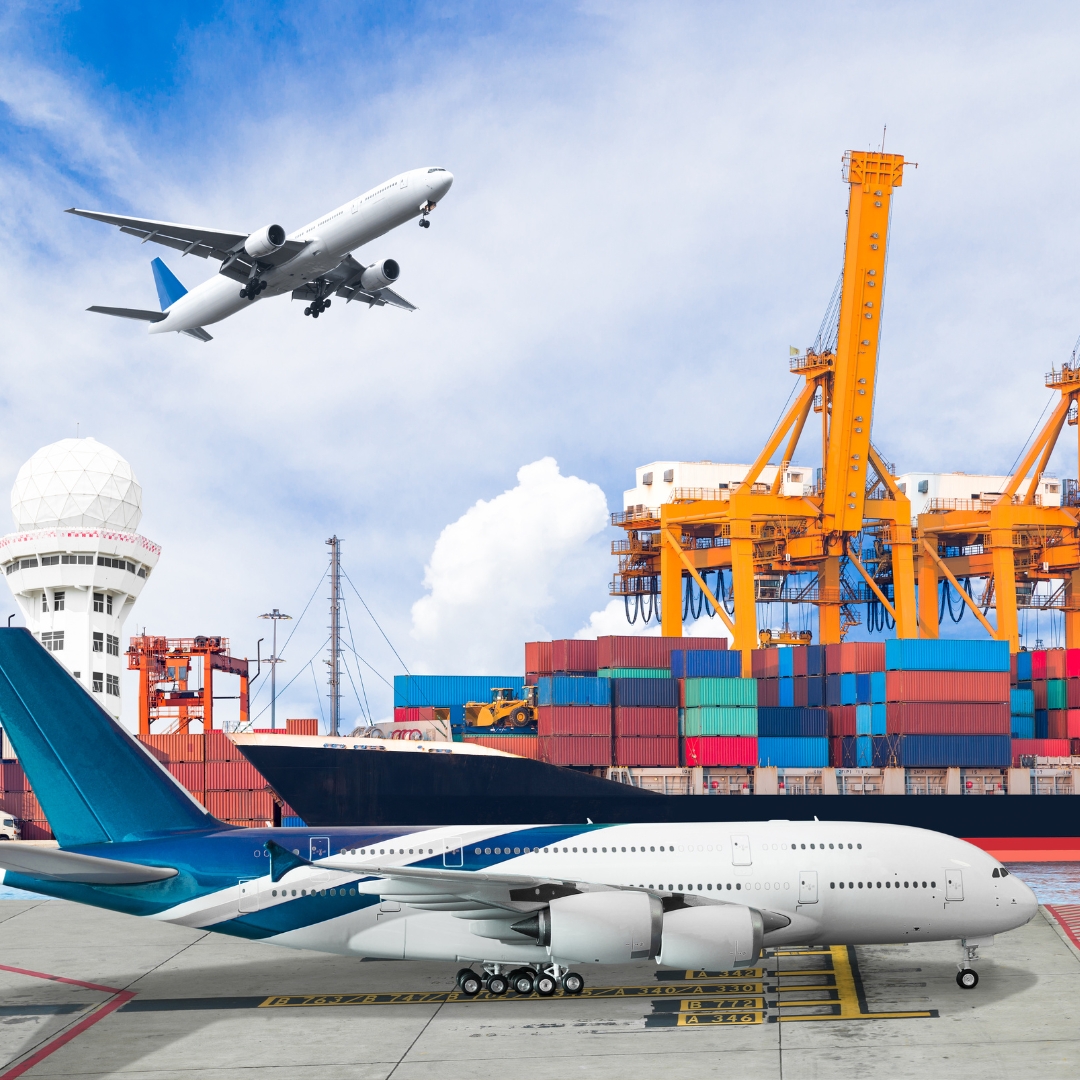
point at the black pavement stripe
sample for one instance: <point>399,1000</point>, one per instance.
<point>181,1004</point>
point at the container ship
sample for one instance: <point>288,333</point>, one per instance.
<point>925,724</point>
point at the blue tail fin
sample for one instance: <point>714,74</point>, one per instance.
<point>95,783</point>
<point>169,289</point>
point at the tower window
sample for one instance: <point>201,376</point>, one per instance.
<point>50,560</point>
<point>53,640</point>
<point>99,601</point>
<point>44,601</point>
<point>113,644</point>
<point>108,603</point>
<point>112,685</point>
<point>99,642</point>
<point>98,684</point>
<point>58,601</point>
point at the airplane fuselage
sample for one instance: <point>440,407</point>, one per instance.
<point>329,239</point>
<point>837,883</point>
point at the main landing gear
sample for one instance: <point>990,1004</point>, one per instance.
<point>523,981</point>
<point>316,308</point>
<point>253,288</point>
<point>967,978</point>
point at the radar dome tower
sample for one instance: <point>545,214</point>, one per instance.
<point>75,563</point>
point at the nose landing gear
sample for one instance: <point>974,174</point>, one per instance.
<point>967,978</point>
<point>425,209</point>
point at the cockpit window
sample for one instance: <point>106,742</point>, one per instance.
<point>995,873</point>
<point>1004,872</point>
<point>1000,871</point>
<point>436,170</point>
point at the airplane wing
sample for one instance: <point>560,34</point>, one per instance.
<point>345,280</point>
<point>197,240</point>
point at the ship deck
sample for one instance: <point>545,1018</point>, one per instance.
<point>144,999</point>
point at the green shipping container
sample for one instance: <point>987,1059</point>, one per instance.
<point>720,692</point>
<point>634,673</point>
<point>720,720</point>
<point>1055,694</point>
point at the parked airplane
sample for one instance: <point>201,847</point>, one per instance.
<point>537,900</point>
<point>311,263</point>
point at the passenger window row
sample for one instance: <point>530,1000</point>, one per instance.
<point>888,884</point>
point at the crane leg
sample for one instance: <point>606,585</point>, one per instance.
<point>742,578</point>
<point>928,598</point>
<point>1072,610</point>
<point>1008,625</point>
<point>829,600</point>
<point>907,616</point>
<point>671,572</point>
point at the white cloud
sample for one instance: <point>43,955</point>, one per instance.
<point>611,619</point>
<point>509,569</point>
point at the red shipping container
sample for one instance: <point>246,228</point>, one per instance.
<point>654,652</point>
<point>13,777</point>
<point>308,725</point>
<point>641,722</point>
<point>1073,723</point>
<point>1055,664</point>
<point>1072,663</point>
<point>176,747</point>
<point>192,774</point>
<point>413,714</point>
<point>538,657</point>
<point>656,753</point>
<point>1058,724</point>
<point>836,753</point>
<point>35,830</point>
<point>720,750</point>
<point>841,720</point>
<point>526,746</point>
<point>233,776</point>
<point>531,677</point>
<point>947,686</point>
<point>799,661</point>
<point>801,693</point>
<point>219,747</point>
<point>573,655</point>
<point>855,657</point>
<point>592,720</point>
<point>1013,672</point>
<point>1040,748</point>
<point>23,805</point>
<point>945,718</point>
<point>1038,664</point>
<point>1039,690</point>
<point>765,664</point>
<point>240,805</point>
<point>1072,691</point>
<point>575,750</point>
<point>768,691</point>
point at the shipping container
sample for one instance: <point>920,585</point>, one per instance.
<point>446,690</point>
<point>574,655</point>
<point>1057,726</point>
<point>720,720</point>
<point>1022,727</point>
<point>849,688</point>
<point>1055,664</point>
<point>573,690</point>
<point>634,722</point>
<point>1055,694</point>
<point>785,666</point>
<point>1072,664</point>
<point>800,695</point>
<point>12,777</point>
<point>720,692</point>
<point>1042,724</point>
<point>855,657</point>
<point>863,720</point>
<point>858,752</point>
<point>946,718</point>
<point>192,774</point>
<point>793,753</point>
<point>573,720</point>
<point>1041,694</point>
<point>1039,748</point>
<point>1022,702</point>
<point>655,753</point>
<point>526,746</point>
<point>946,751</point>
<point>219,747</point>
<point>943,654</point>
<point>842,721</point>
<point>768,692</point>
<point>538,657</point>
<point>934,685</point>
<point>306,725</point>
<point>1022,662</point>
<point>832,690</point>
<point>786,692</point>
<point>1038,664</point>
<point>815,660</point>
<point>792,723</point>
<point>1073,725</point>
<point>168,748</point>
<point>1072,690</point>
<point>799,661</point>
<point>633,673</point>
<point>652,652</point>
<point>720,751</point>
<point>645,693</point>
<point>706,663</point>
<point>765,664</point>
<point>575,750</point>
<point>815,692</point>
<point>232,776</point>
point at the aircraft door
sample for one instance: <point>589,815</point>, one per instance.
<point>247,894</point>
<point>452,851</point>
<point>807,886</point>
<point>319,847</point>
<point>954,885</point>
<point>404,182</point>
<point>740,851</point>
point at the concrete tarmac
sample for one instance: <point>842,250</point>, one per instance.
<point>87,993</point>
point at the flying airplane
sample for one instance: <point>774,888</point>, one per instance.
<point>528,905</point>
<point>310,264</point>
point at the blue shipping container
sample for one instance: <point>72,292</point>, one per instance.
<point>785,657</point>
<point>787,692</point>
<point>1022,702</point>
<point>877,687</point>
<point>441,691</point>
<point>793,753</point>
<point>815,659</point>
<point>863,694</point>
<point>706,664</point>
<point>795,723</point>
<point>944,751</point>
<point>832,690</point>
<point>636,693</point>
<point>1022,727</point>
<point>936,654</point>
<point>863,720</point>
<point>579,690</point>
<point>288,822</point>
<point>815,692</point>
<point>1023,667</point>
<point>879,719</point>
<point>1042,724</point>
<point>849,689</point>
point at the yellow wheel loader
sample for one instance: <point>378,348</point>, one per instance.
<point>506,711</point>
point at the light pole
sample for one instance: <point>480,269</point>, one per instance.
<point>276,617</point>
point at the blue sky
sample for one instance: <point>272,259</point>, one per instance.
<point>647,212</point>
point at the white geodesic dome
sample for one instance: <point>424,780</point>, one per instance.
<point>76,483</point>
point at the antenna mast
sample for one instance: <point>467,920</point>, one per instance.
<point>335,633</point>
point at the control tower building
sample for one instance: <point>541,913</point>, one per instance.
<point>76,563</point>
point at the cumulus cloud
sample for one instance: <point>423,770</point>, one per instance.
<point>611,619</point>
<point>509,569</point>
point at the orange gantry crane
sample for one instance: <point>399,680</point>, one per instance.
<point>164,666</point>
<point>1010,539</point>
<point>765,533</point>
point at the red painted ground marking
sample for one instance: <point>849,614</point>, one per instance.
<point>99,1012</point>
<point>1067,916</point>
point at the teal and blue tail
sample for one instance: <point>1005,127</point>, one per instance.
<point>169,289</point>
<point>94,781</point>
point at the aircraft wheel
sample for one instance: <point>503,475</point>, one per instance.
<point>497,985</point>
<point>470,984</point>
<point>307,311</point>
<point>967,978</point>
<point>315,314</point>
<point>463,974</point>
<point>243,294</point>
<point>521,981</point>
<point>263,285</point>
<point>546,984</point>
<point>326,304</point>
<point>572,983</point>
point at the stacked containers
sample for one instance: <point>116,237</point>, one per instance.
<point>645,718</point>
<point>19,800</point>
<point>574,719</point>
<point>1046,684</point>
<point>720,720</point>
<point>646,657</point>
<point>451,692</point>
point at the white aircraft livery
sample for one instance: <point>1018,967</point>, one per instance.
<point>527,905</point>
<point>310,264</point>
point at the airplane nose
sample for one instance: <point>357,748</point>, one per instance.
<point>443,185</point>
<point>1027,901</point>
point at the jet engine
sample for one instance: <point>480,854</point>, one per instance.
<point>720,937</point>
<point>264,242</point>
<point>380,275</point>
<point>598,928</point>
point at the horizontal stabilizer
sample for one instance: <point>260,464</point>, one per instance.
<point>52,864</point>
<point>197,332</point>
<point>130,313</point>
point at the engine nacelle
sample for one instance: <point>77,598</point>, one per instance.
<point>265,242</point>
<point>379,276</point>
<point>720,937</point>
<point>598,928</point>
